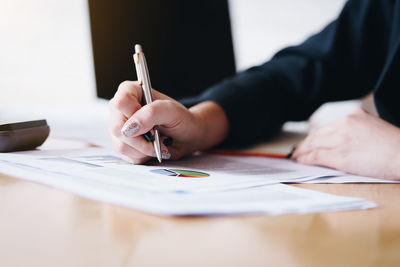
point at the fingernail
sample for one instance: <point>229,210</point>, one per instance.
<point>165,154</point>
<point>130,128</point>
<point>148,136</point>
<point>168,141</point>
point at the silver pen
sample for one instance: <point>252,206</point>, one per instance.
<point>144,80</point>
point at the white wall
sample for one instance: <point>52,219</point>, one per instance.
<point>45,48</point>
<point>45,51</point>
<point>262,27</point>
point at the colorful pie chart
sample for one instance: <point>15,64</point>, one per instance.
<point>181,173</point>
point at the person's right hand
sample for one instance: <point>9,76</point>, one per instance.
<point>189,128</point>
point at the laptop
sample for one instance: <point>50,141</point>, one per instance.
<point>188,44</point>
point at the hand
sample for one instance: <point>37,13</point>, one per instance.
<point>189,129</point>
<point>359,143</point>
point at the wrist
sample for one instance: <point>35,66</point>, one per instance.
<point>212,124</point>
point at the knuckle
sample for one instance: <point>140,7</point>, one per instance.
<point>352,117</point>
<point>120,104</point>
<point>164,103</point>
<point>129,88</point>
<point>125,85</point>
<point>119,101</point>
<point>134,108</point>
<point>348,120</point>
<point>355,115</point>
<point>127,105</point>
<point>145,147</point>
<point>358,111</point>
<point>170,104</point>
<point>115,130</point>
<point>160,105</point>
<point>114,103</point>
<point>152,109</point>
<point>314,156</point>
<point>310,158</point>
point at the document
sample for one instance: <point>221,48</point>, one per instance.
<point>200,185</point>
<point>347,179</point>
<point>203,172</point>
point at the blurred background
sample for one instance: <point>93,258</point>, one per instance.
<point>57,57</point>
<point>46,50</point>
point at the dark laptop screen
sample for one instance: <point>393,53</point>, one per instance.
<point>188,44</point>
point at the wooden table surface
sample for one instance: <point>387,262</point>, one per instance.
<point>42,226</point>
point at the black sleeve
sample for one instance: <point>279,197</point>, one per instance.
<point>341,62</point>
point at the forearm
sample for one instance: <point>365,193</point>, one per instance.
<point>335,64</point>
<point>213,124</point>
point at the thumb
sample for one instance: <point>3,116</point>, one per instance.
<point>159,112</point>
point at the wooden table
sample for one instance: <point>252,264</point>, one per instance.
<point>42,226</point>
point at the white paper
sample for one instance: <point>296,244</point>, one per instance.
<point>225,172</point>
<point>347,179</point>
<point>100,175</point>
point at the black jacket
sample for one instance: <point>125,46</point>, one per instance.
<point>357,53</point>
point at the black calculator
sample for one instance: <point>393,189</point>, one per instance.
<point>23,135</point>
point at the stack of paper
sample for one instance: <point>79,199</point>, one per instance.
<point>198,185</point>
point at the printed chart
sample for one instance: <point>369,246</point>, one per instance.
<point>181,173</point>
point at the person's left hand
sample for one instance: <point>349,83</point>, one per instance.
<point>359,143</point>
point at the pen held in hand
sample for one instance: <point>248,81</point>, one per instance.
<point>144,81</point>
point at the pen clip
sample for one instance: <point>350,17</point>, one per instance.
<point>143,76</point>
<point>136,59</point>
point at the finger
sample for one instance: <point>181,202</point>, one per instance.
<point>324,138</point>
<point>129,154</point>
<point>157,95</point>
<point>312,143</point>
<point>321,157</point>
<point>117,121</point>
<point>140,144</point>
<point>159,112</point>
<point>127,98</point>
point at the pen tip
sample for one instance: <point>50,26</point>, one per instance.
<point>138,48</point>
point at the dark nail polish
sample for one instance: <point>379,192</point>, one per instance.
<point>168,141</point>
<point>148,136</point>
